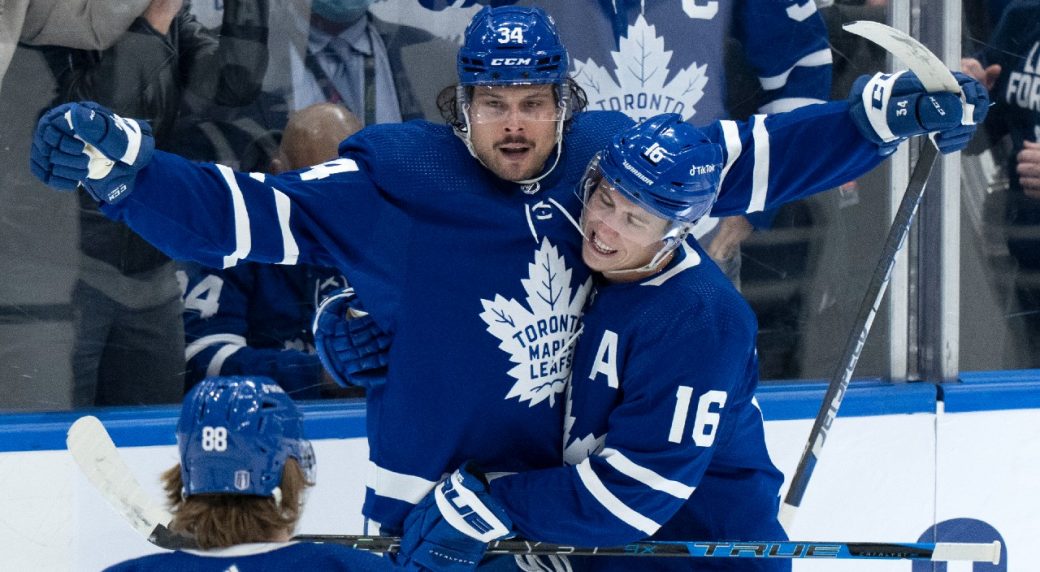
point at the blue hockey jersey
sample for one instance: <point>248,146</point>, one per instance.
<point>255,319</point>
<point>479,284</point>
<point>663,438</point>
<point>259,556</point>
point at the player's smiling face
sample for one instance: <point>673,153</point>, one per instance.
<point>514,128</point>
<point>619,235</point>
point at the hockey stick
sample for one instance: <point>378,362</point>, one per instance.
<point>99,460</point>
<point>941,552</point>
<point>935,76</point>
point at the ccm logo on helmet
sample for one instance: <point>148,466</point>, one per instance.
<point>510,61</point>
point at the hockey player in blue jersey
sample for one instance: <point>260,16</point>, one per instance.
<point>662,437</point>
<point>460,239</point>
<point>239,487</point>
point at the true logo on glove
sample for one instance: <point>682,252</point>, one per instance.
<point>451,494</point>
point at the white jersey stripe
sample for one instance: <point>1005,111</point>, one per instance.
<point>613,504</point>
<point>760,177</point>
<point>217,362</point>
<point>243,238</point>
<point>204,342</point>
<point>290,249</point>
<point>818,58</point>
<point>387,483</point>
<point>626,467</point>
<point>731,137</point>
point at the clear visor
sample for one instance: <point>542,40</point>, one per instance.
<point>493,104</point>
<point>608,211</point>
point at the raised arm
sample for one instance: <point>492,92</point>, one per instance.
<point>774,159</point>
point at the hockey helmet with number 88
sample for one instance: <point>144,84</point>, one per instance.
<point>235,435</point>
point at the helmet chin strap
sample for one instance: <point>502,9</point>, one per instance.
<point>528,186</point>
<point>663,256</point>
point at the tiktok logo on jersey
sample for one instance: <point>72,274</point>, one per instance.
<point>640,69</point>
<point>1023,87</point>
<point>539,332</point>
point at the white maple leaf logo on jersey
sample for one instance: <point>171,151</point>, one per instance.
<point>640,69</point>
<point>539,336</point>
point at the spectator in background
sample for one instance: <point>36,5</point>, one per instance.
<point>126,301</point>
<point>240,484</point>
<point>82,24</point>
<point>255,319</point>
<point>1009,66</point>
<point>331,52</point>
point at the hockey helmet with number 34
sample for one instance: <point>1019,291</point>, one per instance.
<point>512,45</point>
<point>505,47</point>
<point>235,435</point>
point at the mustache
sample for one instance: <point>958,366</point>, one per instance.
<point>514,140</point>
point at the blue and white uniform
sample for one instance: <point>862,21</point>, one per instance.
<point>255,319</point>
<point>260,556</point>
<point>663,437</point>
<point>480,285</point>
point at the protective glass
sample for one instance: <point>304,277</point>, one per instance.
<point>613,207</point>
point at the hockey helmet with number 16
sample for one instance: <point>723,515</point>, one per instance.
<point>663,165</point>
<point>235,435</point>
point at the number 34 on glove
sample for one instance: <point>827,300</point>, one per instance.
<point>86,144</point>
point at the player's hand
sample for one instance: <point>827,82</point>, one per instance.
<point>1027,165</point>
<point>86,144</point>
<point>450,528</point>
<point>351,346</point>
<point>733,230</point>
<point>888,108</point>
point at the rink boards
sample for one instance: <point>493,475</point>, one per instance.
<point>903,463</point>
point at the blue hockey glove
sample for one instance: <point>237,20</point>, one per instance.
<point>351,346</point>
<point>86,144</point>
<point>450,528</point>
<point>888,108</point>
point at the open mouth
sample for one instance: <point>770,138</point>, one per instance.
<point>599,247</point>
<point>514,150</point>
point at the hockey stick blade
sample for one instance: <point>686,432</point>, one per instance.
<point>941,552</point>
<point>932,72</point>
<point>99,460</point>
<point>935,76</point>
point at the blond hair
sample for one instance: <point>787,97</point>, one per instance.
<point>219,520</point>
